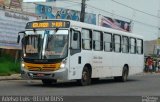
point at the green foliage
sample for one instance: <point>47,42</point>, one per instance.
<point>8,65</point>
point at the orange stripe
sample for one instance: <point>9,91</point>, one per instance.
<point>42,67</point>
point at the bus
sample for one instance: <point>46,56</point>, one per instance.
<point>69,50</point>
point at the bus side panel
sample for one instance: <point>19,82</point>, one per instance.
<point>75,69</point>
<point>101,64</point>
<point>104,64</point>
<point>118,60</point>
<point>136,64</point>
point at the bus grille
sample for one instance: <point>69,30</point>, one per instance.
<point>42,67</point>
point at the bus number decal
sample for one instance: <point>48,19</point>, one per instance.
<point>40,25</point>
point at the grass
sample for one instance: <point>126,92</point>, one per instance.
<point>8,65</point>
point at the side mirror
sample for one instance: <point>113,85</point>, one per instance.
<point>18,39</point>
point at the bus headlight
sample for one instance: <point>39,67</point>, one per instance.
<point>22,65</point>
<point>63,63</point>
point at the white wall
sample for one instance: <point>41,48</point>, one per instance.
<point>143,24</point>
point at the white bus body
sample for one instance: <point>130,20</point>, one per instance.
<point>107,64</point>
<point>100,63</point>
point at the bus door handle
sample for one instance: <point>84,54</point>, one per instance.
<point>79,60</point>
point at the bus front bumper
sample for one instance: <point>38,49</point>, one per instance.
<point>60,74</point>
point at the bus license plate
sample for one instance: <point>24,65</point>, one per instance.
<point>40,75</point>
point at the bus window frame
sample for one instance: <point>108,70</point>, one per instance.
<point>72,50</point>
<point>142,50</point>
<point>127,43</point>
<point>135,50</point>
<point>82,40</point>
<point>73,38</point>
<point>101,40</point>
<point>111,43</point>
<point>114,43</point>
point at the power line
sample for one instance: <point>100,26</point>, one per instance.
<point>135,9</point>
<point>122,16</point>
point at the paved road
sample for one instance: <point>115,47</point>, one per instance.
<point>139,85</point>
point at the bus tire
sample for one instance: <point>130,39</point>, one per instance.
<point>48,81</point>
<point>124,76</point>
<point>86,77</point>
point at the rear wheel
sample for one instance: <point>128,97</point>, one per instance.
<point>48,81</point>
<point>124,76</point>
<point>86,77</point>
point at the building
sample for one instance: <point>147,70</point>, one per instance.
<point>12,20</point>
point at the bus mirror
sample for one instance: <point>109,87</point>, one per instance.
<point>19,36</point>
<point>75,36</point>
<point>18,39</point>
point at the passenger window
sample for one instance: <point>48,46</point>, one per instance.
<point>107,42</point>
<point>132,45</point>
<point>125,44</point>
<point>117,43</point>
<point>97,41</point>
<point>86,39</point>
<point>139,46</point>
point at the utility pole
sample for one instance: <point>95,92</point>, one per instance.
<point>83,6</point>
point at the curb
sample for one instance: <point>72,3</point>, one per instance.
<point>11,77</point>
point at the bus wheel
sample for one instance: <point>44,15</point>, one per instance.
<point>124,76</point>
<point>48,81</point>
<point>86,77</point>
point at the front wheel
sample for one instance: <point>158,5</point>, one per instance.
<point>86,77</point>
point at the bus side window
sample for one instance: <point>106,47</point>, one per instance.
<point>86,39</point>
<point>97,40</point>
<point>132,45</point>
<point>75,40</point>
<point>139,46</point>
<point>117,43</point>
<point>107,42</point>
<point>125,44</point>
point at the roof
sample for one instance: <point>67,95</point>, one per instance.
<point>96,27</point>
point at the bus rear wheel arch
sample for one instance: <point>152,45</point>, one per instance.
<point>124,76</point>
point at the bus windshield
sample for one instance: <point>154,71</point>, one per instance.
<point>45,44</point>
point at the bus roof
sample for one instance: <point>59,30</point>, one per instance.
<point>104,29</point>
<point>96,27</point>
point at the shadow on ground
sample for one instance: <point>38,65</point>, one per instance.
<point>75,84</point>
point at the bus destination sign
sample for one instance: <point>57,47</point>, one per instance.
<point>48,24</point>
